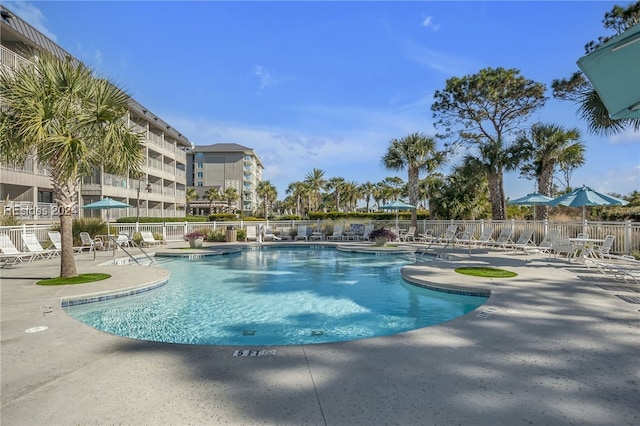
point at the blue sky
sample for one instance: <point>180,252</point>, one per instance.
<point>328,84</point>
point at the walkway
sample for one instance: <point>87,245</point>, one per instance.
<point>553,346</point>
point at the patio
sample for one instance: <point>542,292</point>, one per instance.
<point>552,346</point>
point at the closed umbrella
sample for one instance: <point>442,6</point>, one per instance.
<point>531,200</point>
<point>107,204</point>
<point>584,197</point>
<point>397,206</point>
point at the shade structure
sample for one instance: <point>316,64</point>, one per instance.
<point>397,205</point>
<point>531,200</point>
<point>584,197</point>
<point>612,69</point>
<point>107,204</point>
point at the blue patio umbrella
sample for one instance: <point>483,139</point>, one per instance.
<point>531,200</point>
<point>397,205</point>
<point>584,197</point>
<point>106,204</point>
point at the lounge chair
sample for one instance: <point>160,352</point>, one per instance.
<point>284,233</point>
<point>337,233</point>
<point>124,240</point>
<point>56,240</point>
<point>604,249</point>
<point>90,243</point>
<point>524,242</point>
<point>562,245</point>
<point>367,230</point>
<point>302,233</point>
<point>485,237</point>
<point>252,233</point>
<point>620,267</point>
<point>149,240</point>
<point>10,254</point>
<point>466,236</point>
<point>410,235</point>
<point>546,244</point>
<point>33,246</point>
<point>269,235</point>
<point>448,236</point>
<point>316,235</point>
<point>504,238</point>
<point>426,236</point>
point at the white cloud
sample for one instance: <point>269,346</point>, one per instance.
<point>439,61</point>
<point>265,77</point>
<point>627,136</point>
<point>427,22</point>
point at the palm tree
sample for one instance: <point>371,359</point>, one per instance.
<point>552,146</point>
<point>212,194</point>
<point>337,184</point>
<point>351,194</point>
<point>191,195</point>
<point>268,193</point>
<point>71,121</point>
<point>366,189</point>
<point>298,190</point>
<point>414,152</point>
<point>230,195</point>
<point>317,183</point>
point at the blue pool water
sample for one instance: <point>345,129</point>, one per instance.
<point>277,296</point>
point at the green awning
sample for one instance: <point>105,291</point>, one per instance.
<point>614,71</point>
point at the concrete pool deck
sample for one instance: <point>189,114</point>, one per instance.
<point>552,346</point>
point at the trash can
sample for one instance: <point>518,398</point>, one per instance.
<point>231,235</point>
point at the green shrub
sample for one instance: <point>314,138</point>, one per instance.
<point>242,234</point>
<point>215,235</point>
<point>222,217</point>
<point>9,220</point>
<point>137,238</point>
<point>93,226</point>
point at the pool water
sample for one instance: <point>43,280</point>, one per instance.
<point>277,296</point>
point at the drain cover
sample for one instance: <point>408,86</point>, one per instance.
<point>629,299</point>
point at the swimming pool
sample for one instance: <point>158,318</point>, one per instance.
<point>277,296</point>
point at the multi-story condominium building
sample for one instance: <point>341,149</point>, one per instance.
<point>221,166</point>
<point>25,189</point>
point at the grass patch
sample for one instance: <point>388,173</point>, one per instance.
<point>485,272</point>
<point>80,279</point>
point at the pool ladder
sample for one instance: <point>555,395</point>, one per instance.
<point>115,243</point>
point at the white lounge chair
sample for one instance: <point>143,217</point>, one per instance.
<point>410,235</point>
<point>546,244</point>
<point>56,240</point>
<point>367,230</point>
<point>504,238</point>
<point>604,249</point>
<point>252,233</point>
<point>302,232</point>
<point>269,235</point>
<point>33,246</point>
<point>524,242</point>
<point>466,235</point>
<point>337,233</point>
<point>485,237</point>
<point>448,235</point>
<point>10,254</point>
<point>90,243</point>
<point>284,233</point>
<point>148,240</point>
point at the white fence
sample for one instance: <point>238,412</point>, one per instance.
<point>627,233</point>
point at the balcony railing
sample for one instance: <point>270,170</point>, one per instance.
<point>12,60</point>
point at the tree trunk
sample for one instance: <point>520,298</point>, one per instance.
<point>496,194</point>
<point>67,261</point>
<point>414,193</point>
<point>66,197</point>
<point>545,182</point>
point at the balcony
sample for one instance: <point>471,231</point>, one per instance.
<point>12,60</point>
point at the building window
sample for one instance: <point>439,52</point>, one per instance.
<point>199,155</point>
<point>199,184</point>
<point>200,174</point>
<point>199,165</point>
